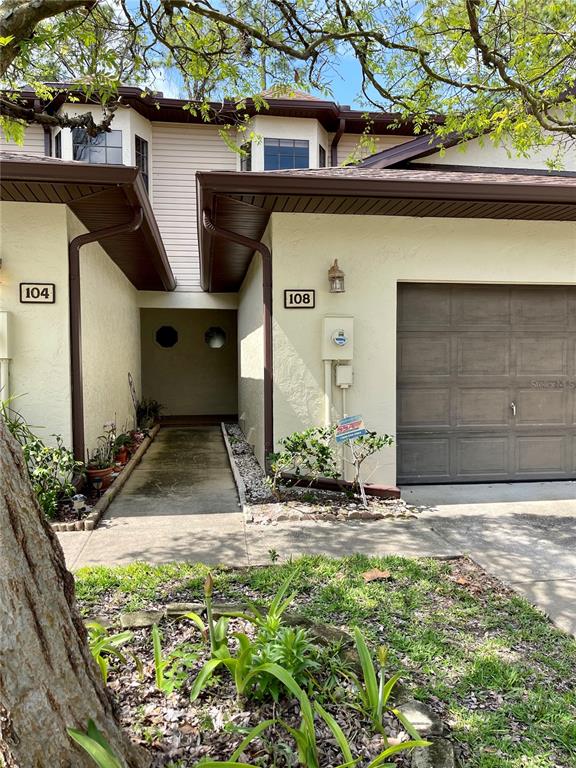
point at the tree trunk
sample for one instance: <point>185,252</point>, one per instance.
<point>48,679</point>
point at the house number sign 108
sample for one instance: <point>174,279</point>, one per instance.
<point>299,298</point>
<point>37,293</point>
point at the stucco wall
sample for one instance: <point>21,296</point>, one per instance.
<point>33,242</point>
<point>485,153</point>
<point>110,339</point>
<point>190,378</point>
<point>376,253</point>
<point>251,358</point>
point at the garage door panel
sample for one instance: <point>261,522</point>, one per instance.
<point>540,407</point>
<point>424,458</point>
<point>424,407</point>
<point>538,455</point>
<point>424,356</point>
<point>483,356</point>
<point>490,307</point>
<point>423,304</point>
<point>487,387</point>
<point>541,356</point>
<point>538,306</point>
<point>478,457</point>
<point>482,407</point>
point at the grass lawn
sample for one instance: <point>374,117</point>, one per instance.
<point>500,675</point>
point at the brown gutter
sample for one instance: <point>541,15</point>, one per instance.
<point>75,313</point>
<point>335,142</point>
<point>393,184</point>
<point>256,245</point>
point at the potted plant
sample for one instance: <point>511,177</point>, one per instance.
<point>147,413</point>
<point>122,445</point>
<point>101,461</point>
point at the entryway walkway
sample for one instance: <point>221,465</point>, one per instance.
<point>180,503</point>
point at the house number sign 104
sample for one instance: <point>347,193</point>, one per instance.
<point>37,293</point>
<point>298,298</point>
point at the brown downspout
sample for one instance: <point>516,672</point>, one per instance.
<point>256,245</point>
<point>335,142</point>
<point>76,322</point>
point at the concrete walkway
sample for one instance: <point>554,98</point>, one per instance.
<point>523,533</point>
<point>181,504</point>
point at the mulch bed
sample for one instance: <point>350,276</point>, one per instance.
<point>298,503</point>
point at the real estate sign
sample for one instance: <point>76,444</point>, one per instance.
<point>350,428</point>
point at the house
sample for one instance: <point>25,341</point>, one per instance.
<point>454,332</point>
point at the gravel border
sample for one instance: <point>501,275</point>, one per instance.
<point>299,503</point>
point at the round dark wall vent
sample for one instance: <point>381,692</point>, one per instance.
<point>167,336</point>
<point>215,337</point>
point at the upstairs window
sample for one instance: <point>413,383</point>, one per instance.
<point>246,157</point>
<point>58,144</point>
<point>142,157</point>
<point>285,153</point>
<point>104,148</point>
<point>321,156</point>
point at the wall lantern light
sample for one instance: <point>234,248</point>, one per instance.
<point>336,278</point>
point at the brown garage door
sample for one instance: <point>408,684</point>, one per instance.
<point>486,383</point>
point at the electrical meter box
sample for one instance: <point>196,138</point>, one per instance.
<point>338,338</point>
<point>5,352</point>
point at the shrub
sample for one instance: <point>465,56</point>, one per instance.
<point>51,468</point>
<point>308,454</point>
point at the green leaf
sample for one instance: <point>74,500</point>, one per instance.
<point>196,619</point>
<point>337,732</point>
<point>203,676</point>
<point>378,762</point>
<point>406,724</point>
<point>102,756</point>
<point>254,733</point>
<point>368,671</point>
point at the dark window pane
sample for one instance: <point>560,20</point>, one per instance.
<point>285,154</point>
<point>58,144</point>
<point>103,148</point>
<point>321,157</point>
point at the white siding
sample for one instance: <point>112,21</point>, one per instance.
<point>33,142</point>
<point>349,141</point>
<point>178,152</point>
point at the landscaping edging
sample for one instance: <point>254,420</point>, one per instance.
<point>91,520</point>
<point>239,482</point>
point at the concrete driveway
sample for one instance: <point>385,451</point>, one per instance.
<point>524,533</point>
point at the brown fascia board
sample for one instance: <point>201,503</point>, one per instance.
<point>156,107</point>
<point>422,146</point>
<point>510,191</point>
<point>126,177</point>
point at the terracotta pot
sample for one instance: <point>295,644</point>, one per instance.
<point>105,474</point>
<point>122,455</point>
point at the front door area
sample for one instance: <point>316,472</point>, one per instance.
<point>190,361</point>
<point>486,383</point>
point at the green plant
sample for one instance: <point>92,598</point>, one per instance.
<point>104,646</point>
<point>94,743</point>
<point>273,555</point>
<point>171,671</point>
<point>290,648</point>
<point>148,412</point>
<point>51,468</point>
<point>375,690</point>
<point>308,454</point>
<point>361,449</point>
<point>103,456</point>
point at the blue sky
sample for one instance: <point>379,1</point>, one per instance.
<point>345,84</point>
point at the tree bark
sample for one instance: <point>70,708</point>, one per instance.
<point>48,679</point>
